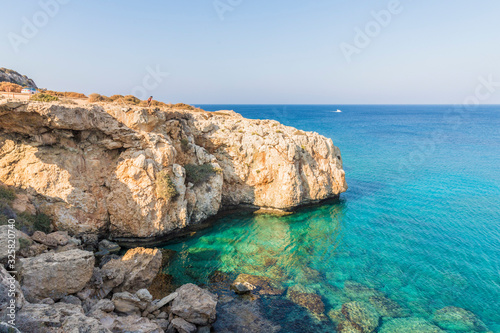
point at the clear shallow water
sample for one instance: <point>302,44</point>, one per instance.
<point>420,221</point>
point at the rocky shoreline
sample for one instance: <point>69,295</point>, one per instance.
<point>68,284</point>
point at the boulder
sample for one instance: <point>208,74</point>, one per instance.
<point>195,305</point>
<point>410,324</point>
<point>55,275</point>
<point>21,240</point>
<point>128,303</point>
<point>183,326</point>
<point>42,237</point>
<point>359,315</point>
<point>163,323</point>
<point>66,309</point>
<point>70,299</point>
<point>164,301</point>
<point>457,319</point>
<point>135,270</point>
<point>37,318</point>
<point>144,295</point>
<point>60,238</point>
<point>82,323</point>
<point>105,305</point>
<point>33,250</point>
<point>264,285</point>
<point>134,324</point>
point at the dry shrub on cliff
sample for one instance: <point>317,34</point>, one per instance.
<point>116,97</point>
<point>70,94</point>
<point>24,221</point>
<point>165,188</point>
<point>198,174</point>
<point>98,98</point>
<point>10,87</point>
<point>43,98</point>
<point>131,99</point>
<point>183,106</point>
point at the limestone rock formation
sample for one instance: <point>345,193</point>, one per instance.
<point>9,75</point>
<point>130,172</point>
<point>53,274</point>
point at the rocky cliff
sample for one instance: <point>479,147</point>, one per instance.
<point>9,75</point>
<point>135,172</point>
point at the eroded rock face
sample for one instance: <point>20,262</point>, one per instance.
<point>55,275</point>
<point>270,165</point>
<point>96,169</point>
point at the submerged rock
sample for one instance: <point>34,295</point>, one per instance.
<point>359,315</point>
<point>358,291</point>
<point>55,275</point>
<point>242,316</point>
<point>242,287</point>
<point>386,307</point>
<point>310,301</point>
<point>195,305</point>
<point>411,324</point>
<point>458,319</point>
<point>162,285</point>
<point>264,285</point>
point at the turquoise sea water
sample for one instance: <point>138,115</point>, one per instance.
<point>420,221</point>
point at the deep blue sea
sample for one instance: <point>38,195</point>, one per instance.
<point>420,221</point>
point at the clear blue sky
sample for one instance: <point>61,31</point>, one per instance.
<point>262,52</point>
